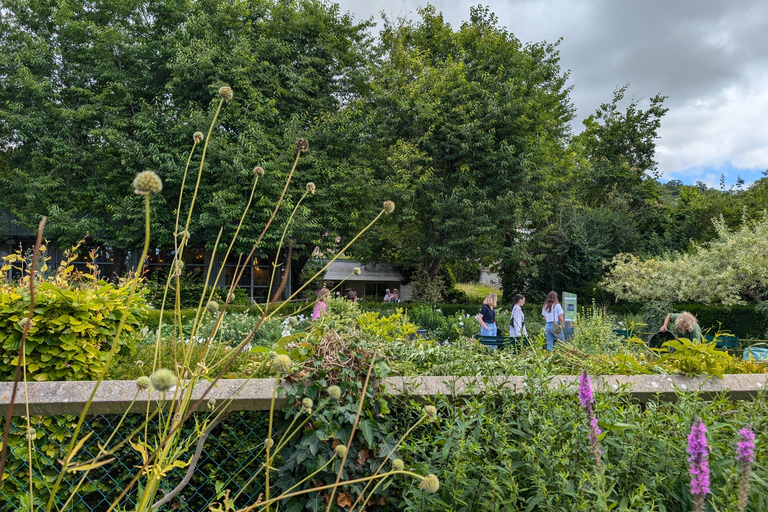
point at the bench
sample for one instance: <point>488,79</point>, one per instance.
<point>502,341</point>
<point>727,343</point>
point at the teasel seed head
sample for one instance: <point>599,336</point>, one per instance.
<point>163,379</point>
<point>226,93</point>
<point>143,382</point>
<point>334,392</point>
<point>147,182</point>
<point>282,363</point>
<point>430,484</point>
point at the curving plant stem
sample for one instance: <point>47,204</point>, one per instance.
<point>21,359</point>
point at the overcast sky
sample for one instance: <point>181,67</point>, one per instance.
<point>710,57</point>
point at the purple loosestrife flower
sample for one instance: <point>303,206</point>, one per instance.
<point>745,454</point>
<point>587,400</point>
<point>699,470</point>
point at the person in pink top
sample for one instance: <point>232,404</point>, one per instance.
<point>320,304</point>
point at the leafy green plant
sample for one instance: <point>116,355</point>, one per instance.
<point>75,319</point>
<point>694,357</point>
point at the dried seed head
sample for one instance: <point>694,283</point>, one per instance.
<point>282,363</point>
<point>198,137</point>
<point>430,484</point>
<point>139,363</point>
<point>302,144</point>
<point>143,382</point>
<point>225,93</point>
<point>163,379</point>
<point>389,207</point>
<point>258,171</point>
<point>212,307</point>
<point>357,271</point>
<point>24,321</point>
<point>398,465</point>
<point>431,412</point>
<point>31,434</point>
<point>211,403</point>
<point>269,443</point>
<point>147,182</point>
<point>334,392</point>
<point>230,297</point>
<point>340,450</point>
<point>311,188</point>
<point>307,403</point>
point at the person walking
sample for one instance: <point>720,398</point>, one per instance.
<point>553,314</point>
<point>320,306</point>
<point>487,316</point>
<point>517,320</point>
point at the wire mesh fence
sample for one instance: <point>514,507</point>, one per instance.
<point>230,457</point>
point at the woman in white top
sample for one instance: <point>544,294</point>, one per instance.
<point>517,321</point>
<point>552,312</point>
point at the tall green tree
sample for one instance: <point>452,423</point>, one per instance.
<point>93,93</point>
<point>459,126</point>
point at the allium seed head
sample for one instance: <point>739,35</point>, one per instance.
<point>340,450</point>
<point>269,443</point>
<point>230,297</point>
<point>311,188</point>
<point>139,363</point>
<point>212,306</point>
<point>431,412</point>
<point>307,403</point>
<point>198,137</point>
<point>258,171</point>
<point>430,484</point>
<point>163,379</point>
<point>389,207</point>
<point>357,271</point>
<point>334,392</point>
<point>398,465</point>
<point>31,434</point>
<point>282,363</point>
<point>302,144</point>
<point>147,182</point>
<point>293,320</point>
<point>225,93</point>
<point>24,321</point>
<point>211,403</point>
<point>143,382</point>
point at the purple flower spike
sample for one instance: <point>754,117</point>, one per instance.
<point>585,390</point>
<point>745,453</point>
<point>587,400</point>
<point>699,470</point>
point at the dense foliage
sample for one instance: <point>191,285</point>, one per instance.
<point>74,322</point>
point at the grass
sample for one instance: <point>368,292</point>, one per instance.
<point>477,291</point>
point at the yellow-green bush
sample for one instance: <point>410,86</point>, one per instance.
<point>72,328</point>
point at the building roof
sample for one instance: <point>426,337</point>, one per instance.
<point>340,270</point>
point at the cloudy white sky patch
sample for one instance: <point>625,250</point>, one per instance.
<point>708,56</point>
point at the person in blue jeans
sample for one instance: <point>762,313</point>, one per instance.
<point>487,316</point>
<point>552,312</point>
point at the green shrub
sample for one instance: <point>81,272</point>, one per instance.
<point>72,330</point>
